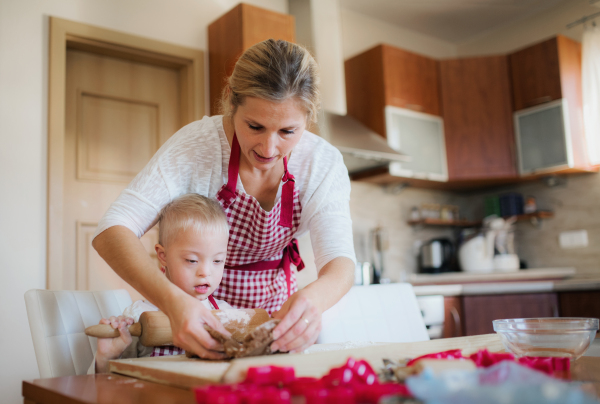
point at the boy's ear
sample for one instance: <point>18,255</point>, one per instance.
<point>161,255</point>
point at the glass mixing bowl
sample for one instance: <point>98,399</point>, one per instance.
<point>559,336</point>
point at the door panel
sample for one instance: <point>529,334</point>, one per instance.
<point>118,113</point>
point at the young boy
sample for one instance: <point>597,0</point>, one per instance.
<point>192,246</point>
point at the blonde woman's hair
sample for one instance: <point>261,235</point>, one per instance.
<point>274,71</point>
<point>190,211</point>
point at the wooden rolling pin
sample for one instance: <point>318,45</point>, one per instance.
<point>154,327</point>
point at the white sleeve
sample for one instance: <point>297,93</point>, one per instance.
<point>190,161</point>
<point>331,226</point>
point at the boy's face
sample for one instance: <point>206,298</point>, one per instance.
<point>195,262</point>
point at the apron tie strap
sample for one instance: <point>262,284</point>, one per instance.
<point>213,302</point>
<point>291,255</point>
<point>287,197</point>
<point>228,193</point>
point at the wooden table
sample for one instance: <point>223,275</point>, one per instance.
<point>111,388</point>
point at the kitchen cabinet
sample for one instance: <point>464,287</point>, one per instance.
<point>579,304</point>
<point>233,33</point>
<point>550,135</point>
<point>385,75</point>
<point>478,124</point>
<point>453,317</point>
<point>479,311</point>
<point>544,72</point>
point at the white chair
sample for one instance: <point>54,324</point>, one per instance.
<point>57,320</point>
<point>375,313</point>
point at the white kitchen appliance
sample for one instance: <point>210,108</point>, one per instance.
<point>476,254</point>
<point>420,136</point>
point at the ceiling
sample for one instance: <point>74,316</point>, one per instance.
<point>450,20</point>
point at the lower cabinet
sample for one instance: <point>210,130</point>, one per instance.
<point>480,311</point>
<point>473,315</point>
<point>579,304</point>
<point>453,317</point>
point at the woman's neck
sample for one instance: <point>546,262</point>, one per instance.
<point>261,184</point>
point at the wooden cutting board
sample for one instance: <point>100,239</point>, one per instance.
<point>183,372</point>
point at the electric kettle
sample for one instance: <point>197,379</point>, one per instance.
<point>436,256</point>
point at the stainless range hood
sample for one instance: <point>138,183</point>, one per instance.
<point>362,148</point>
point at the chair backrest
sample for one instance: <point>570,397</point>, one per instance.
<point>57,320</point>
<point>375,313</point>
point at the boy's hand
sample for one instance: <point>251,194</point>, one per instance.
<point>112,348</point>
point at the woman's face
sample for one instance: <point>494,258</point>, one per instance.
<point>268,130</point>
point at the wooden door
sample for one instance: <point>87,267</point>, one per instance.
<point>480,311</point>
<point>118,113</point>
<point>535,74</point>
<point>478,121</point>
<point>411,81</point>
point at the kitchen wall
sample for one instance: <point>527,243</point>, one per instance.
<point>529,30</point>
<point>23,136</point>
<point>361,32</point>
<point>375,206</point>
<point>575,205</point>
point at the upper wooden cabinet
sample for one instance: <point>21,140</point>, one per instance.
<point>478,123</point>
<point>236,31</point>
<point>550,136</point>
<point>544,72</point>
<point>385,75</point>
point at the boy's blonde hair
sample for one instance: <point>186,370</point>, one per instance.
<point>190,211</point>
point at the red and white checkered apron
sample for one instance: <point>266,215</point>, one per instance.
<point>172,349</point>
<point>261,245</point>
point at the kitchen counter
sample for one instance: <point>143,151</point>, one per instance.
<point>576,283</point>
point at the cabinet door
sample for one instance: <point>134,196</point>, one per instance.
<point>453,317</point>
<point>535,74</point>
<point>579,304</point>
<point>480,311</point>
<point>478,123</point>
<point>233,33</point>
<point>411,81</point>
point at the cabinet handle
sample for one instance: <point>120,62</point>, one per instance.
<point>539,100</point>
<point>456,319</point>
<point>414,107</point>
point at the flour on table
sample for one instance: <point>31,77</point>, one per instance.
<point>339,346</point>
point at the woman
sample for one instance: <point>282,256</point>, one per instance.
<point>274,180</point>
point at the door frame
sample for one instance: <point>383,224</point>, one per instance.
<point>66,34</point>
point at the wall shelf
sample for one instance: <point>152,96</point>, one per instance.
<point>543,214</point>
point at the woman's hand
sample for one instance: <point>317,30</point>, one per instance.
<point>300,325</point>
<point>112,348</point>
<point>188,316</point>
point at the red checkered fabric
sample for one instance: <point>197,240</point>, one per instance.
<point>167,350</point>
<point>255,236</point>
